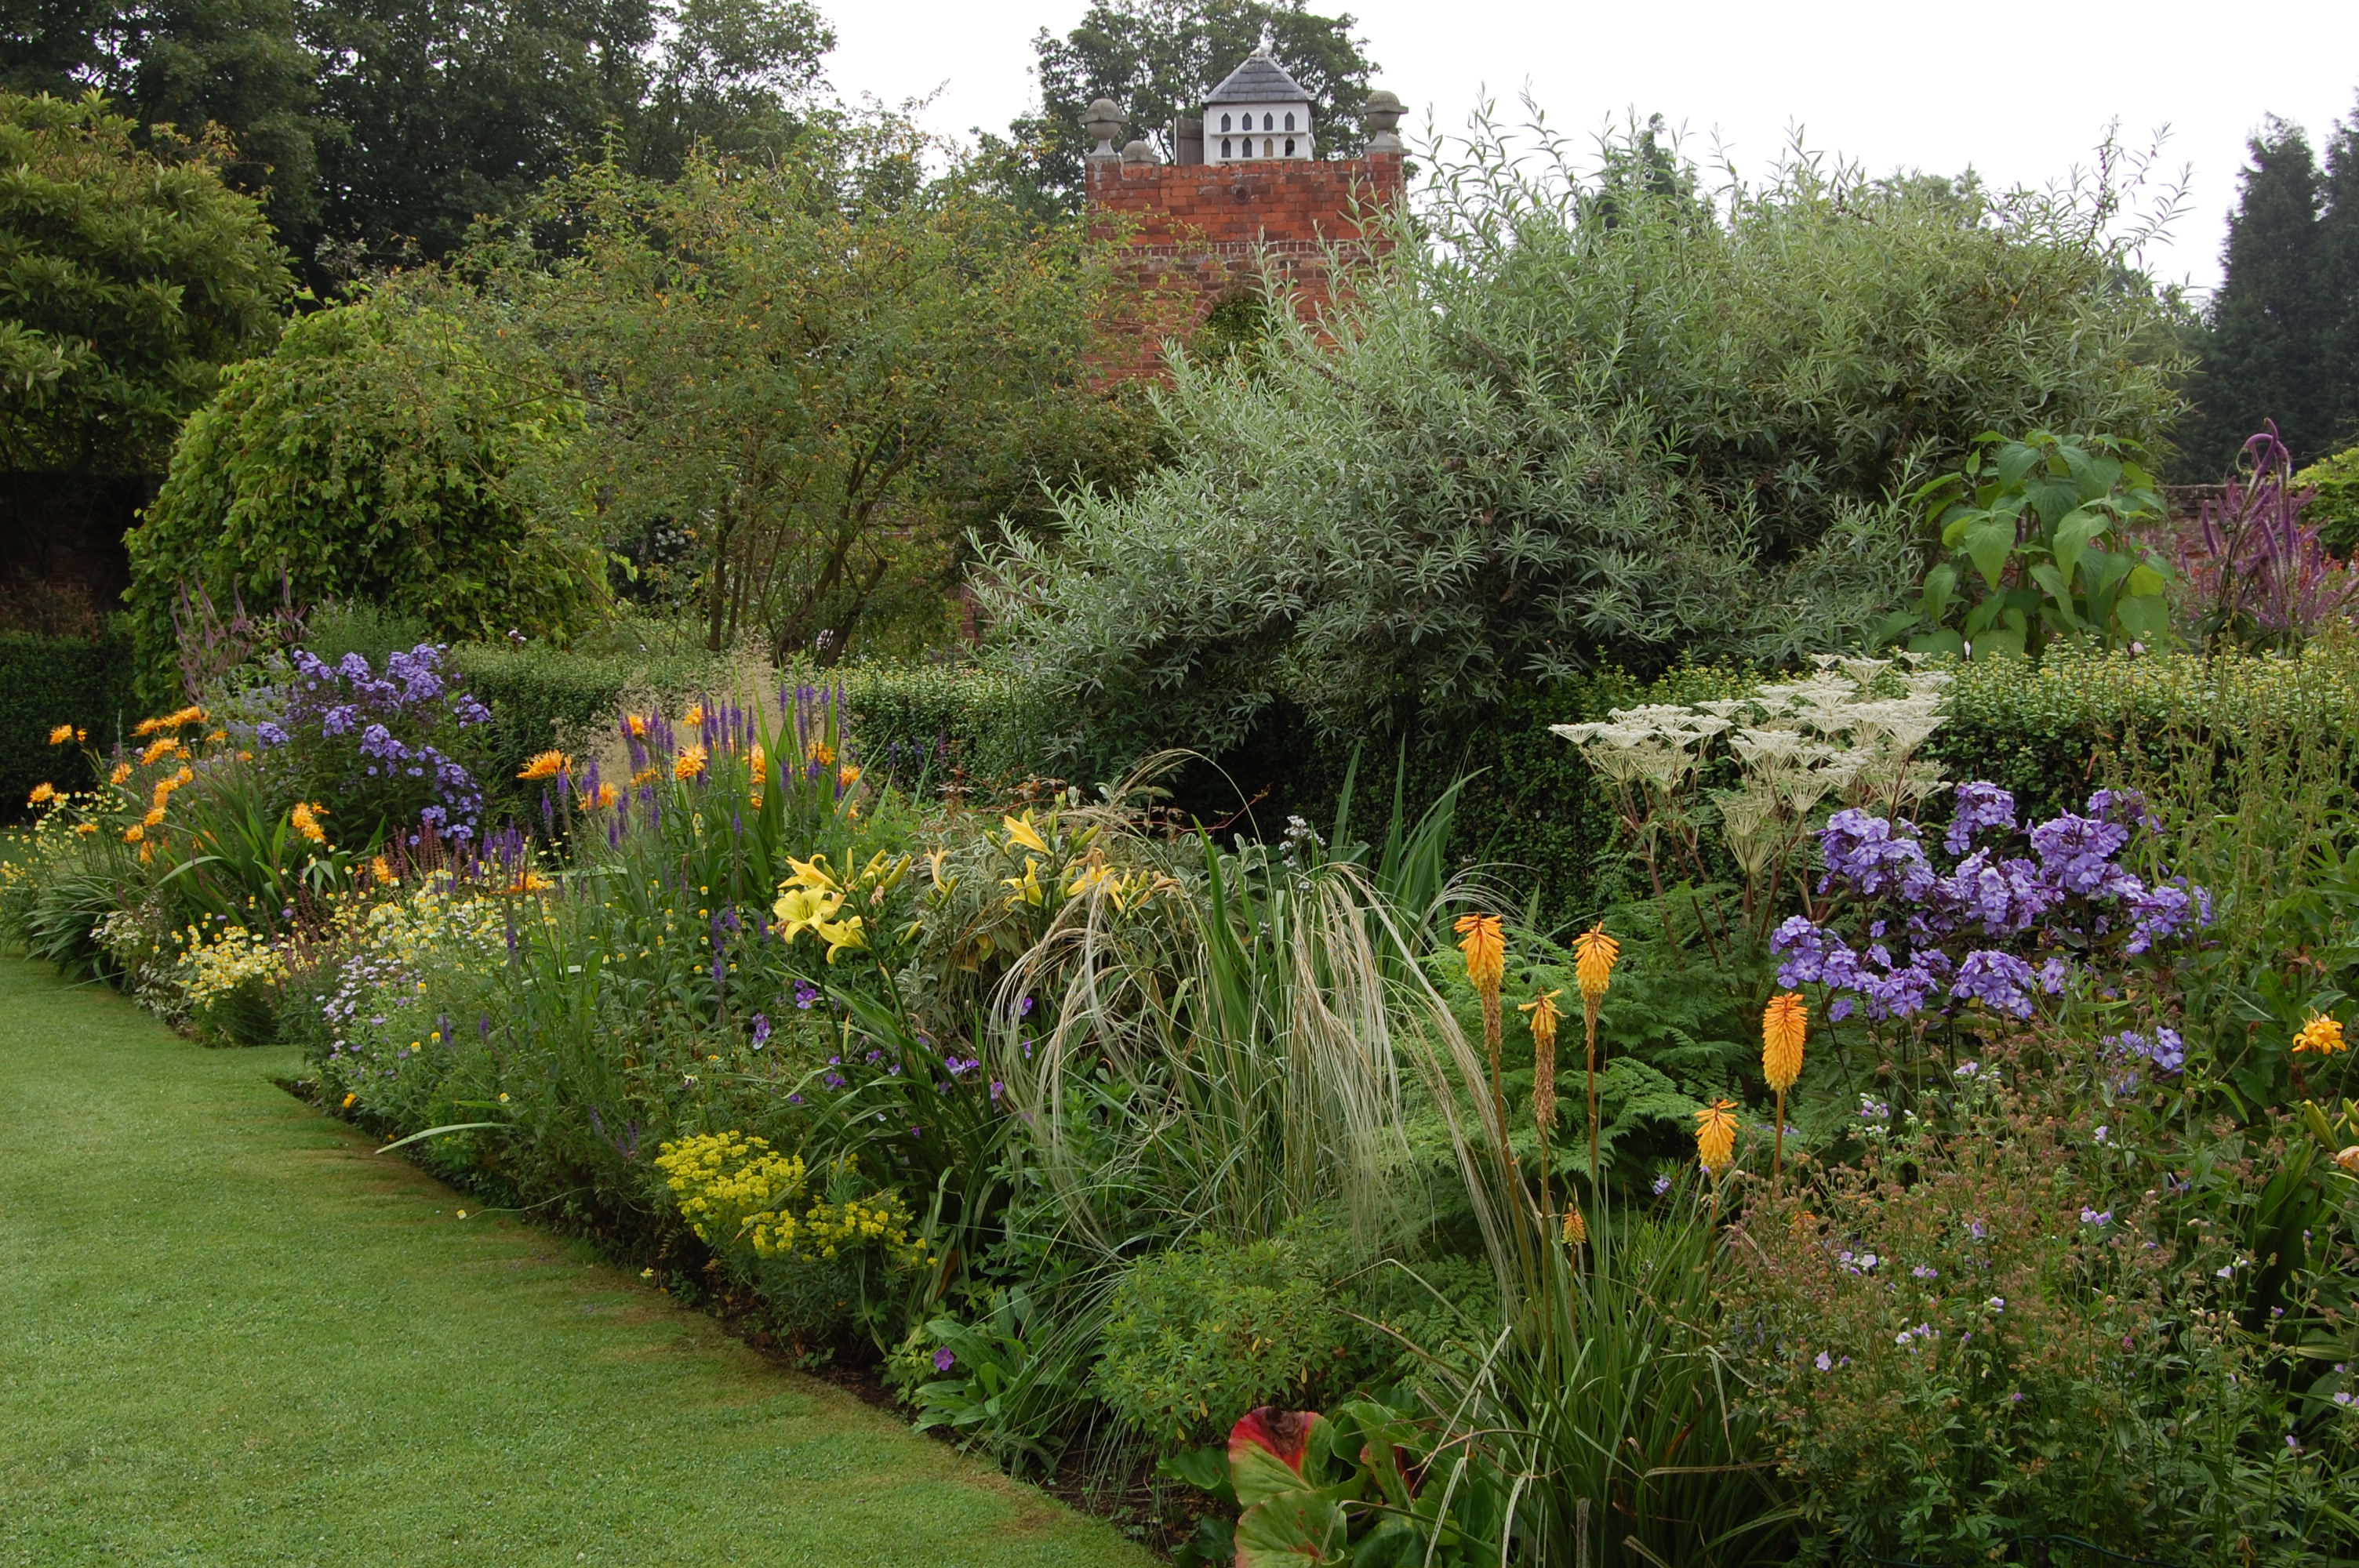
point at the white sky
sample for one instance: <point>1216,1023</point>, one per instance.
<point>2020,92</point>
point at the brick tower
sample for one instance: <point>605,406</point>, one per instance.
<point>1245,198</point>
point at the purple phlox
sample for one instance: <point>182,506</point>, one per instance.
<point>1980,808</point>
<point>1874,854</point>
<point>2165,1049</point>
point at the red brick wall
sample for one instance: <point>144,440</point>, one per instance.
<point>1197,233</point>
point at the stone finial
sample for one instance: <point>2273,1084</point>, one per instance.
<point>1139,151</point>
<point>1103,121</point>
<point>1383,113</point>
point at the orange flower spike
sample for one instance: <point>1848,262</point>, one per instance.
<point>1716,1135</point>
<point>546,766</point>
<point>1594,954</point>
<point>1484,940</point>
<point>1784,1022</point>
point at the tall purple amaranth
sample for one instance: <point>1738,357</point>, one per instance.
<point>2259,575</point>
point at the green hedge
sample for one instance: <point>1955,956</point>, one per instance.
<point>544,697</point>
<point>48,681</point>
<point>2045,733</point>
<point>1531,809</point>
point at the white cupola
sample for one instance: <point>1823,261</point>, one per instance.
<point>1258,113</point>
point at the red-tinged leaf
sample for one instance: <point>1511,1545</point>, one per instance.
<point>1266,1449</point>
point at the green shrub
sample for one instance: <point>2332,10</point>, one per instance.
<point>2046,732</point>
<point>1196,1337</point>
<point>374,456</point>
<point>48,681</point>
<point>332,630</point>
<point>2335,509</point>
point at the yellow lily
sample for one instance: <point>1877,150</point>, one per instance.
<point>801,908</point>
<point>1027,886</point>
<point>1021,831</point>
<point>841,937</point>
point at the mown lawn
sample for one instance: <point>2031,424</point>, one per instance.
<point>231,1334</point>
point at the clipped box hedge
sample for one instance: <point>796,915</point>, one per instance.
<point>48,681</point>
<point>2046,731</point>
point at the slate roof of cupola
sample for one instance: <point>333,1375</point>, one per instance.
<point>1260,80</point>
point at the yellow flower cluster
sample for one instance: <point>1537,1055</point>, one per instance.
<point>213,966</point>
<point>812,900</point>
<point>306,818</point>
<point>2320,1036</point>
<point>436,927</point>
<point>732,1188</point>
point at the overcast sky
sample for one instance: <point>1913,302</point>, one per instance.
<point>2021,92</point>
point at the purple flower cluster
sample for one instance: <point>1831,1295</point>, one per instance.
<point>2164,1050</point>
<point>377,745</point>
<point>1997,930</point>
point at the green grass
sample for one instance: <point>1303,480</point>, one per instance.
<point>232,1334</point>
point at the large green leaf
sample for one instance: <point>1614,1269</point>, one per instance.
<point>2073,536</point>
<point>1988,544</point>
<point>1292,1529</point>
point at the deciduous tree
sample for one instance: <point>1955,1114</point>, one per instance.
<point>129,275</point>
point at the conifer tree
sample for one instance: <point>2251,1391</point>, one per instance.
<point>2338,257</point>
<point>2265,358</point>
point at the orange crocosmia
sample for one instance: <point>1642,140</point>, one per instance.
<point>122,771</point>
<point>690,763</point>
<point>42,794</point>
<point>546,766</point>
<point>694,717</point>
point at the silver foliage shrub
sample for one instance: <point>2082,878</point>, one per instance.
<point>1577,421</point>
